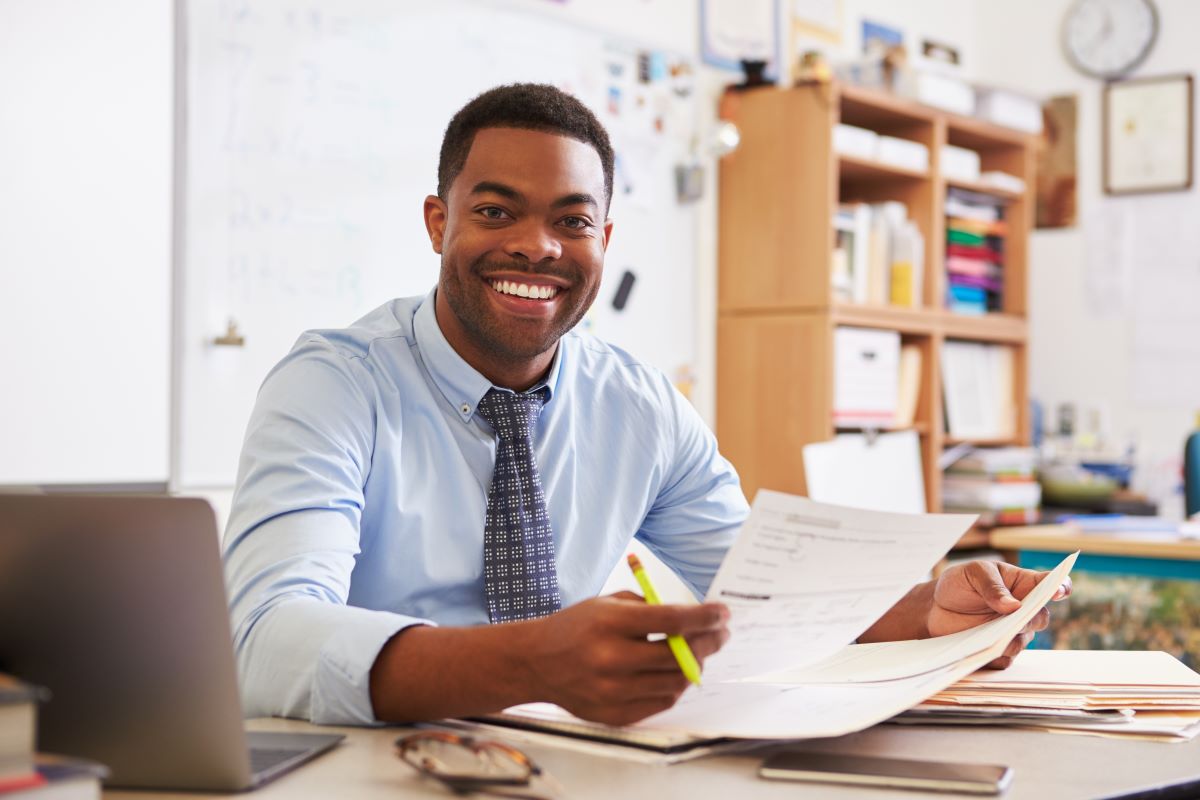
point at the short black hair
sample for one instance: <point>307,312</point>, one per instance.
<point>528,106</point>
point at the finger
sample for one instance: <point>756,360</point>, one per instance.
<point>633,657</point>
<point>1039,622</point>
<point>1019,643</point>
<point>625,594</point>
<point>671,619</point>
<point>984,577</point>
<point>1063,591</point>
<point>705,644</point>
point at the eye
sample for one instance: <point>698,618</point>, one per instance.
<point>577,223</point>
<point>493,213</point>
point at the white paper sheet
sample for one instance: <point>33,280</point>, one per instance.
<point>804,579</point>
<point>882,473</point>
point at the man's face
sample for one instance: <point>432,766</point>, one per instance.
<point>522,235</point>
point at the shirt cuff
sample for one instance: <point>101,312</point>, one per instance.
<point>341,691</point>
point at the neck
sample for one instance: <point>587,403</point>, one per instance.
<point>516,374</point>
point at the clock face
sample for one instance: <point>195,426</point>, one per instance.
<point>1108,38</point>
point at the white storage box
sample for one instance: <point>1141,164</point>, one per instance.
<point>849,140</point>
<point>866,377</point>
<point>959,163</point>
<point>1002,180</point>
<point>941,91</point>
<point>903,153</point>
<point>1010,109</point>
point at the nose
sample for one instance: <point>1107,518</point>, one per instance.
<point>534,241</point>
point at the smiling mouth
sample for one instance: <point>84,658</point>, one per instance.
<point>531,291</point>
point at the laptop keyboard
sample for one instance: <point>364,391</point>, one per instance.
<point>263,759</point>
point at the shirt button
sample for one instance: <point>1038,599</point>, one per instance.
<point>464,408</point>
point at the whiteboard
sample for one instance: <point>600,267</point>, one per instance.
<point>312,129</point>
<point>85,241</point>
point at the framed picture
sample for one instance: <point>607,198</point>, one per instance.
<point>1148,135</point>
<point>735,30</point>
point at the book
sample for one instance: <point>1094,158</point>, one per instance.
<point>60,778</point>
<point>998,463</point>
<point>18,730</point>
<point>909,388</point>
<point>961,491</point>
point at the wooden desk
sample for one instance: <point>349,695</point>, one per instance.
<point>1044,765</point>
<point>1065,539</point>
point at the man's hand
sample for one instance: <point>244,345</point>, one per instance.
<point>971,594</point>
<point>594,660</point>
<point>962,597</point>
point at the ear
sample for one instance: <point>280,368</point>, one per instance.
<point>608,228</point>
<point>435,221</point>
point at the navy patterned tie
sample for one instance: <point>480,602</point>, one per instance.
<point>519,578</point>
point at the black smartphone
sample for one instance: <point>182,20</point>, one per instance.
<point>899,773</point>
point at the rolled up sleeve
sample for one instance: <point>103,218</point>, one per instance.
<point>292,539</point>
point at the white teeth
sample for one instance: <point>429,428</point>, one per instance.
<point>525,290</point>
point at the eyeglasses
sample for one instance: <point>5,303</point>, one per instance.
<point>465,765</point>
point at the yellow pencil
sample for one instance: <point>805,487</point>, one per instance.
<point>679,646</point>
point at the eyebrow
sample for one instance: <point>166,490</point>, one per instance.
<point>504,190</point>
<point>492,187</point>
<point>576,199</point>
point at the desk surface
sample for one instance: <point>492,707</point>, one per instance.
<point>1044,765</point>
<point>1066,539</point>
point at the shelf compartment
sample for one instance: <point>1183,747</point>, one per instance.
<point>879,110</point>
<point>854,169</point>
<point>977,134</point>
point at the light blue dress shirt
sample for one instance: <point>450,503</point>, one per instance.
<point>362,493</point>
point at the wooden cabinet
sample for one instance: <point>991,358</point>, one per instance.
<point>777,312</point>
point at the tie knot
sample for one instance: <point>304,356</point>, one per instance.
<point>512,415</point>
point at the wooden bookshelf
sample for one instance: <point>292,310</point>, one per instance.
<point>776,308</point>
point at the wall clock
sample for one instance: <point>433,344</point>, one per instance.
<point>1108,38</point>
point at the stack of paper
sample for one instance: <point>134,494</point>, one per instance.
<point>1122,693</point>
<point>999,484</point>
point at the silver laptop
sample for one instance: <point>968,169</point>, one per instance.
<point>116,604</point>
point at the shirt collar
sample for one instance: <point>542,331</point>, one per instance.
<point>460,383</point>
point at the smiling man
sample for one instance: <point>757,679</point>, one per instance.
<point>430,500</point>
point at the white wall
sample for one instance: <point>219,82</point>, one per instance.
<point>85,240</point>
<point>1085,345</point>
<point>950,22</point>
